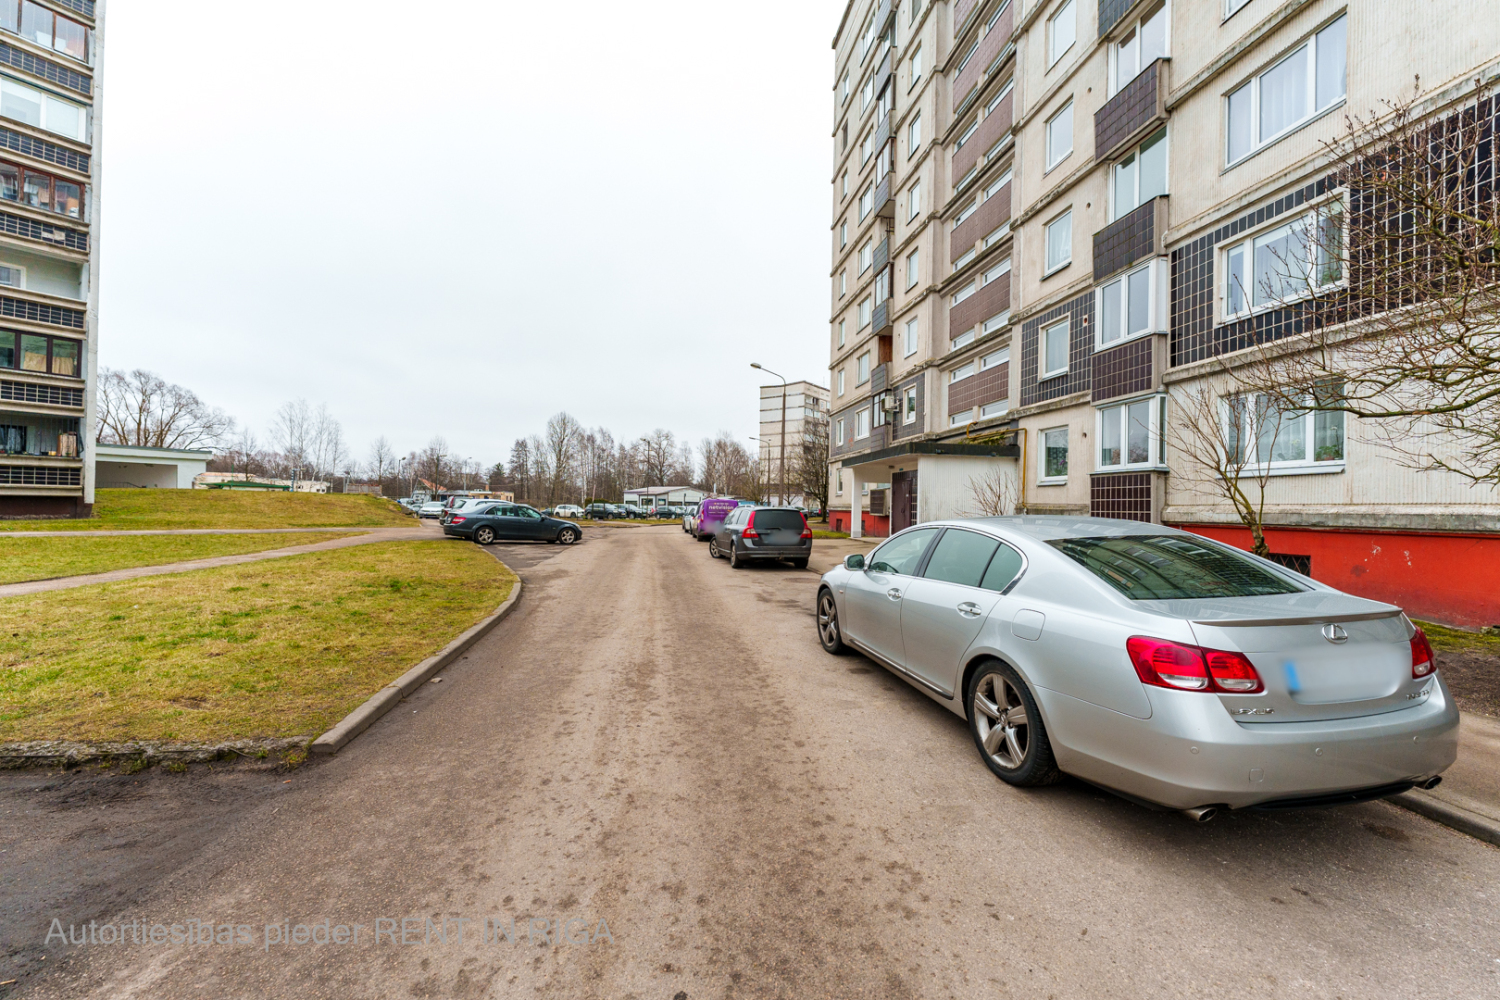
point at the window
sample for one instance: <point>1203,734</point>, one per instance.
<point>841,381</point>
<point>968,210</point>
<point>914,201</point>
<point>36,353</point>
<point>965,417</point>
<point>42,110</point>
<point>913,267</point>
<point>997,235</point>
<point>916,63</point>
<point>916,8</point>
<point>995,322</point>
<point>1060,136</point>
<point>862,369</point>
<point>862,424</point>
<point>909,406</point>
<point>865,306</point>
<point>961,340</point>
<point>844,91</point>
<point>1171,567</point>
<point>866,147</point>
<point>1060,242</point>
<point>999,270</point>
<point>1141,175</point>
<point>12,276</point>
<point>1129,434</point>
<point>883,284</point>
<point>994,360</point>
<point>1290,262</point>
<point>914,135</point>
<point>909,344</point>
<point>841,335</point>
<point>968,134</point>
<point>1132,304</point>
<point>843,235</point>
<point>1140,46</point>
<point>40,191</point>
<point>996,185</point>
<point>843,283</point>
<point>838,434</point>
<point>866,202</point>
<point>867,92</point>
<point>1230,6</point>
<point>845,187</point>
<point>1062,32</point>
<point>1054,454</point>
<point>1054,349</point>
<point>866,256</point>
<point>51,31</point>
<point>958,264</point>
<point>959,374</point>
<point>964,292</point>
<point>1265,435</point>
<point>1310,80</point>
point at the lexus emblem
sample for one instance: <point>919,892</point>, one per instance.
<point>1335,633</point>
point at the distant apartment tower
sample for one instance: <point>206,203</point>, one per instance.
<point>1045,218</point>
<point>806,416</point>
<point>50,56</point>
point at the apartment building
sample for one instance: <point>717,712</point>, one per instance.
<point>51,52</point>
<point>805,413</point>
<point>1046,217</point>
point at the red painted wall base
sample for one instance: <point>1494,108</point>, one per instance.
<point>875,525</point>
<point>1452,579</point>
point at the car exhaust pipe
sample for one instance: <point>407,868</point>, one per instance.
<point>1201,814</point>
<point>1430,783</point>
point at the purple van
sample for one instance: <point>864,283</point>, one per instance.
<point>711,514</point>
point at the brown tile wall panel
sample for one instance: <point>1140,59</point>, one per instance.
<point>986,302</point>
<point>990,131</point>
<point>1080,311</point>
<point>1124,495</point>
<point>979,389</point>
<point>990,46</point>
<point>1130,111</point>
<point>1123,370</point>
<point>990,215</point>
<point>961,9</point>
<point>31,392</point>
<point>1130,238</point>
<point>1112,12</point>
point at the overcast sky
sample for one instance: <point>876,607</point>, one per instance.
<point>458,219</point>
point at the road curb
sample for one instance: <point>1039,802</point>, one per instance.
<point>392,694</point>
<point>1456,817</point>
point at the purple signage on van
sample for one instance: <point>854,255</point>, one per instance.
<point>711,514</point>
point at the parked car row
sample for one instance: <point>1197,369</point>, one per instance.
<point>487,521</point>
<point>1167,667</point>
<point>623,511</point>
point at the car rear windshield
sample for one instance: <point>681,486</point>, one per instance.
<point>1169,567</point>
<point>778,519</point>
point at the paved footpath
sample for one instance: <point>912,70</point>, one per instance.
<point>366,536</point>
<point>654,745</point>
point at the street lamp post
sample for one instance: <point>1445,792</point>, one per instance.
<point>781,486</point>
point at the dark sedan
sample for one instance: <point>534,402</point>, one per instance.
<point>751,534</point>
<point>510,522</point>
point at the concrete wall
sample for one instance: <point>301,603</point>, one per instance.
<point>945,484</point>
<point>120,475</point>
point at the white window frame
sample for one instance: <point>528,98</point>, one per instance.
<point>996,185</point>
<point>968,134</point>
<point>844,88</point>
<point>866,202</point>
<point>1258,141</point>
<point>998,408</point>
<point>909,405</point>
<point>862,369</point>
<point>967,256</point>
<point>841,381</point>
<point>964,292</point>
<point>1134,155</point>
<point>846,185</point>
<point>1042,478</point>
<point>997,235</point>
<point>841,342</point>
<point>839,432</point>
<point>1245,245</point>
<point>16,269</point>
<point>916,8</point>
<point>914,135</point>
<point>1302,466</point>
<point>913,268</point>
<point>867,147</point>
<point>965,212</point>
<point>913,337</point>
<point>915,64</point>
<point>1135,28</point>
<point>998,271</point>
<point>1119,410</point>
<point>1232,7</point>
<point>866,256</point>
<point>1066,326</point>
<point>843,283</point>
<point>44,101</point>
<point>867,93</point>
<point>994,359</point>
<point>862,423</point>
<point>843,234</point>
<point>961,372</point>
<point>914,201</point>
<point>962,340</point>
<point>1052,124</point>
<point>996,322</point>
<point>1055,50</point>
<point>866,311</point>
<point>1156,270</point>
<point>961,417</point>
<point>1010,85</point>
<point>1061,224</point>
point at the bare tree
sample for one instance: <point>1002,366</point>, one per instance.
<point>141,408</point>
<point>809,465</point>
<point>563,433</point>
<point>435,462</point>
<point>327,451</point>
<point>657,452</point>
<point>292,430</point>
<point>382,460</point>
<point>995,493</point>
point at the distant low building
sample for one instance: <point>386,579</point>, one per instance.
<point>652,497</point>
<point>369,489</point>
<point>122,466</point>
<point>244,481</point>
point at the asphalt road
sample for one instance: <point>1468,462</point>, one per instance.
<point>654,756</point>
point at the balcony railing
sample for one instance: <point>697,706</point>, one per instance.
<point>40,394</point>
<point>885,199</point>
<point>1131,238</point>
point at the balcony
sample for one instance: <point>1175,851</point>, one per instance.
<point>884,69</point>
<point>1131,238</point>
<point>41,394</point>
<point>991,130</point>
<point>883,15</point>
<point>880,325</point>
<point>882,253</point>
<point>885,198</point>
<point>882,134</point>
<point>880,377</point>
<point>1135,366</point>
<point>15,220</point>
<point>32,441</point>
<point>990,48</point>
<point>1133,112</point>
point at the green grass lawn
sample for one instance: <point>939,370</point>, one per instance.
<point>1453,640</point>
<point>285,647</point>
<point>127,509</point>
<point>29,558</point>
<point>830,534</point>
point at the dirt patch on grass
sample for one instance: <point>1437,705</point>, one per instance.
<point>1474,678</point>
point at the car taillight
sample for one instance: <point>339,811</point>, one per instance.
<point>1422,660</point>
<point>1190,668</point>
<point>750,531</point>
<point>806,528</point>
<point>458,520</point>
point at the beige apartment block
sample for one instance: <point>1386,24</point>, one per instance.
<point>802,409</point>
<point>51,54</point>
<point>1036,207</point>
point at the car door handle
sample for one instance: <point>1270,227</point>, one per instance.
<point>893,594</point>
<point>970,610</point>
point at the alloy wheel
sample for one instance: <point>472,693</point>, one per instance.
<point>484,536</point>
<point>1000,716</point>
<point>828,622</point>
<point>567,536</point>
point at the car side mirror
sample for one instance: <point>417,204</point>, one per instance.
<point>854,562</point>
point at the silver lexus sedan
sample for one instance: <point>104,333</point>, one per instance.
<point>1166,667</point>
